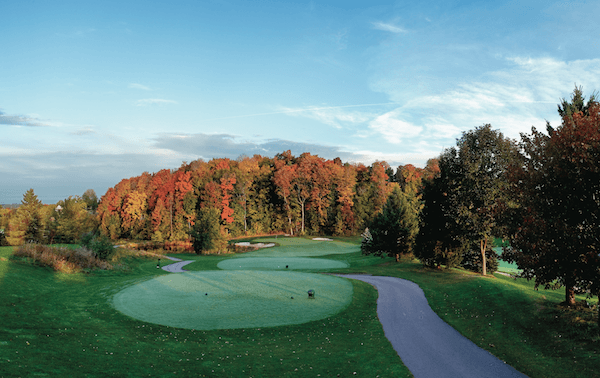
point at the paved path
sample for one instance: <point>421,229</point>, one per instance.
<point>176,267</point>
<point>427,345</point>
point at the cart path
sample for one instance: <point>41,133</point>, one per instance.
<point>176,267</point>
<point>427,345</point>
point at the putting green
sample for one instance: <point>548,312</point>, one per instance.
<point>275,263</point>
<point>234,299</point>
<point>301,247</point>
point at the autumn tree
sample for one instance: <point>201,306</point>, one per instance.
<point>68,220</point>
<point>283,178</point>
<point>554,230</point>
<point>4,216</point>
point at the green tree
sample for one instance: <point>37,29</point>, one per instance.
<point>69,219</point>
<point>440,240</point>
<point>554,230</point>
<point>91,199</point>
<point>477,171</point>
<point>26,225</point>
<point>392,232</point>
<point>206,233</point>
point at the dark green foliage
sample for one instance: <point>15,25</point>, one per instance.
<point>440,241</point>
<point>99,244</point>
<point>206,232</point>
<point>471,258</point>
<point>392,231</point>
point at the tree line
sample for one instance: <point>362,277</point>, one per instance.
<point>540,194</point>
<point>63,222</point>
<point>250,196</point>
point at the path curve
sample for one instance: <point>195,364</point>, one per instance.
<point>427,345</point>
<point>176,267</point>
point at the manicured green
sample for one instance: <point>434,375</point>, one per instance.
<point>234,299</point>
<point>506,267</point>
<point>58,324</point>
<point>64,325</point>
<point>281,263</point>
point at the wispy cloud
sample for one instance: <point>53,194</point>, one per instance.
<point>395,129</point>
<point>138,86</point>
<point>154,101</point>
<point>18,120</point>
<point>513,99</point>
<point>388,27</point>
<point>311,112</point>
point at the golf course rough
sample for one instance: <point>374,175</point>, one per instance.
<point>234,299</point>
<point>278,263</point>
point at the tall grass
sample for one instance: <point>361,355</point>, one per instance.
<point>61,259</point>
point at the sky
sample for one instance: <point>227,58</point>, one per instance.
<point>92,92</point>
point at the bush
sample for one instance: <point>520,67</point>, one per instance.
<point>99,244</point>
<point>63,259</point>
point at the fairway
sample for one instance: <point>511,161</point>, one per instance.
<point>234,299</point>
<point>275,263</point>
<point>504,266</point>
<point>301,247</point>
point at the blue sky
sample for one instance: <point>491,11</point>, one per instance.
<point>95,91</point>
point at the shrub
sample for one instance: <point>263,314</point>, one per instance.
<point>99,244</point>
<point>63,259</point>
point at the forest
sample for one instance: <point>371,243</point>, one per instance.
<point>540,196</point>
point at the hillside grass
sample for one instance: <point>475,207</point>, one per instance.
<point>56,324</point>
<point>63,324</point>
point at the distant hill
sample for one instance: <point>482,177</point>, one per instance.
<point>10,206</point>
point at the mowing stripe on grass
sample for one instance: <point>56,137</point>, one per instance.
<point>234,299</point>
<point>280,263</point>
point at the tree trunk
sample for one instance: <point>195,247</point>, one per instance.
<point>569,290</point>
<point>483,247</point>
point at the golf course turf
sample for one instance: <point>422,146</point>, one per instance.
<point>57,324</point>
<point>280,263</point>
<point>234,299</point>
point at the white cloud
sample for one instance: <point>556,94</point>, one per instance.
<point>388,27</point>
<point>394,129</point>
<point>154,101</point>
<point>513,99</point>
<point>334,116</point>
<point>138,86</point>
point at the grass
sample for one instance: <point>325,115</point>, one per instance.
<point>56,324</point>
<point>52,326</point>
<point>524,327</point>
<point>234,299</point>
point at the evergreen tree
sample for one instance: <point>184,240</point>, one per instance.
<point>206,232</point>
<point>26,225</point>
<point>392,232</point>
